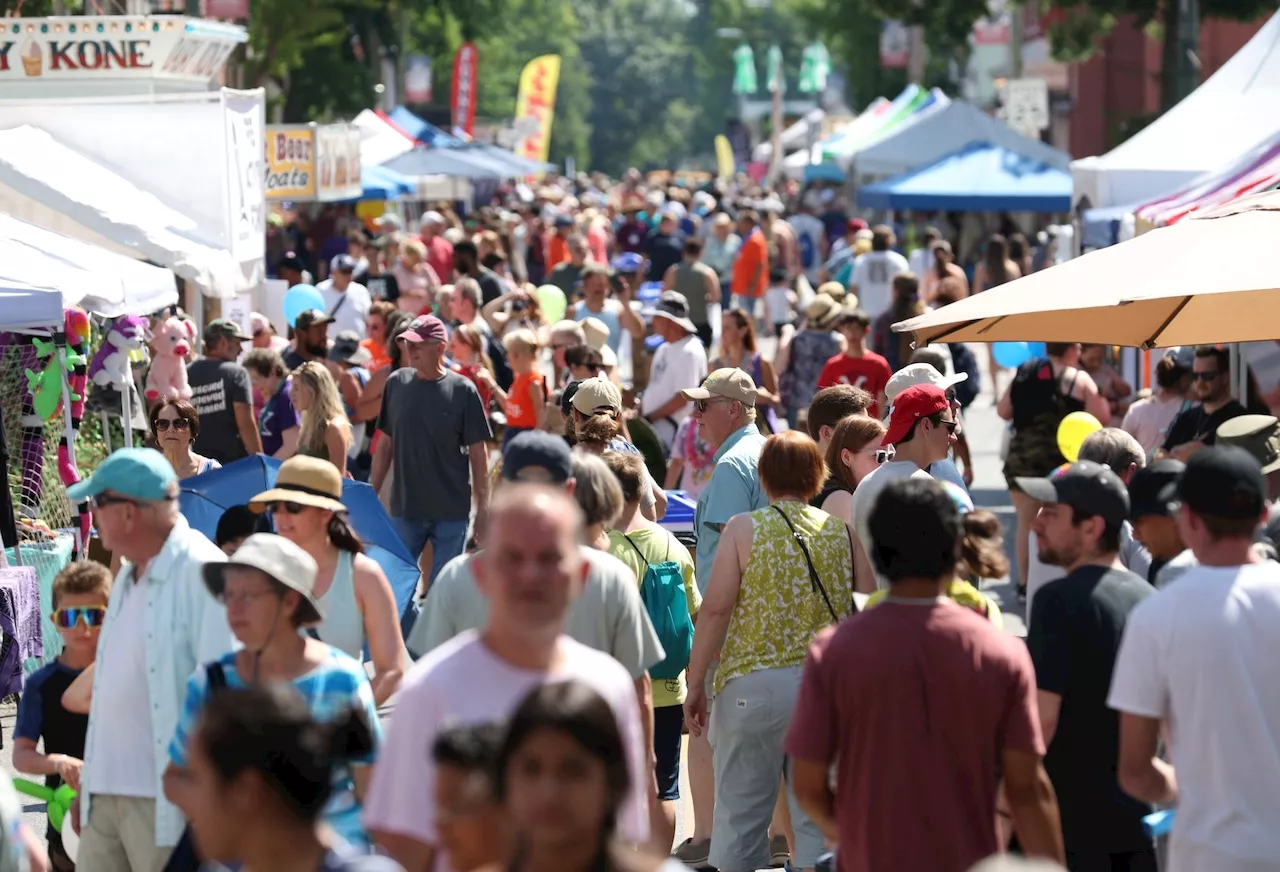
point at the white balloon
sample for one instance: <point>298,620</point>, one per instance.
<point>70,840</point>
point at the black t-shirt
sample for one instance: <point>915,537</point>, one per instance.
<point>1194,425</point>
<point>383,287</point>
<point>491,284</point>
<point>41,716</point>
<point>565,276</point>
<point>216,386</point>
<point>292,359</point>
<point>664,250</point>
<point>1074,636</point>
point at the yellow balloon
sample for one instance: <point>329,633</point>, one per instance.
<point>1072,432</point>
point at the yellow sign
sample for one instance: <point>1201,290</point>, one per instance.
<point>291,163</point>
<point>536,102</point>
<point>724,157</point>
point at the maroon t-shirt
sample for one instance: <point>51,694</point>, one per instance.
<point>914,703</point>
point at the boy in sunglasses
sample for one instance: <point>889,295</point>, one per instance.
<point>80,594</point>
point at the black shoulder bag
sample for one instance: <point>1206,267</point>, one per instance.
<point>184,857</point>
<point>814,581</point>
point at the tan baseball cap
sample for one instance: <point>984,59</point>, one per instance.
<point>597,393</point>
<point>728,382</point>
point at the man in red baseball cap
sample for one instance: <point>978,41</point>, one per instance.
<point>922,431</point>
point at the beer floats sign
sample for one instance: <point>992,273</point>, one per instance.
<point>163,48</point>
<point>313,162</point>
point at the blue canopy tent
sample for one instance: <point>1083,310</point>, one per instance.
<point>444,162</point>
<point>981,177</point>
<point>380,183</point>
<point>205,497</point>
<point>507,162</point>
<point>423,131</point>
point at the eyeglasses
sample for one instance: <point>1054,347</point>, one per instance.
<point>1205,376</point>
<point>245,598</point>
<point>163,424</point>
<point>101,501</point>
<point>66,619</point>
<point>289,508</point>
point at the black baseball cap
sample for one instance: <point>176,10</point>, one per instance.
<point>1153,490</point>
<point>1085,485</point>
<point>291,261</point>
<point>566,398</point>
<point>1223,481</point>
<point>537,456</point>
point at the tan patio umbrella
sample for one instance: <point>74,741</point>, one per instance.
<point>1208,279</point>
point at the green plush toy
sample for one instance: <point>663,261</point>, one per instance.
<point>59,801</point>
<point>46,386</point>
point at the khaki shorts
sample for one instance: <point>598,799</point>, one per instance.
<point>121,836</point>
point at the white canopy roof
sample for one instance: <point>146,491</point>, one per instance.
<point>87,276</point>
<point>379,141</point>
<point>1232,112</point>
<point>45,183</point>
<point>946,131</point>
<point>24,306</point>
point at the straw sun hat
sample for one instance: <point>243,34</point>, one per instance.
<point>307,481</point>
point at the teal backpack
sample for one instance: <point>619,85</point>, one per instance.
<point>663,594</point>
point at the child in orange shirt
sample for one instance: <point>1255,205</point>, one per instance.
<point>525,404</point>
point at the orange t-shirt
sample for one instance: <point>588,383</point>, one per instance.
<point>378,354</point>
<point>752,263</point>
<point>520,411</point>
<point>557,251</point>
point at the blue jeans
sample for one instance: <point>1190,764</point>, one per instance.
<point>447,538</point>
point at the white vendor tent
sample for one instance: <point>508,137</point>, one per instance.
<point>45,183</point>
<point>90,277</point>
<point>379,141</point>
<point>28,307</point>
<point>1232,112</point>
<point>943,132</point>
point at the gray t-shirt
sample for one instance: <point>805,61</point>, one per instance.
<point>864,499</point>
<point>431,425</point>
<point>608,615</point>
<point>216,386</point>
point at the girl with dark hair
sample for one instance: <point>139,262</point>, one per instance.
<point>854,453</point>
<point>258,777</point>
<point>562,778</point>
<point>268,588</point>
<point>358,603</point>
<point>174,426</point>
<point>738,349</point>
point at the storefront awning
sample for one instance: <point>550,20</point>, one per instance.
<point>50,185</point>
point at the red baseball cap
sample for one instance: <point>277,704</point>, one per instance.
<point>916,402</point>
<point>855,224</point>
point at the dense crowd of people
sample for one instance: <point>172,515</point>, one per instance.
<point>814,655</point>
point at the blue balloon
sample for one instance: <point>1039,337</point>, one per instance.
<point>1038,350</point>
<point>299,299</point>
<point>1011,354</point>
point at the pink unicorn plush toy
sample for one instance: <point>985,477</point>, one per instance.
<point>171,343</point>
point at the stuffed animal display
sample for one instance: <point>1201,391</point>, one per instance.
<point>110,366</point>
<point>78,330</point>
<point>170,344</point>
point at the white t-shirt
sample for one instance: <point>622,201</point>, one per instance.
<point>354,311</point>
<point>873,275</point>
<point>122,704</point>
<point>777,305</point>
<point>677,366</point>
<point>809,234</point>
<point>921,262</point>
<point>864,498</point>
<point>1202,656</point>
<point>463,682</point>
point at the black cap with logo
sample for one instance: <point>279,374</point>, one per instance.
<point>1085,485</point>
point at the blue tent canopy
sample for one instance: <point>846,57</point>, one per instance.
<point>422,131</point>
<point>445,162</point>
<point>205,497</point>
<point>380,183</point>
<point>506,163</point>
<point>981,177</point>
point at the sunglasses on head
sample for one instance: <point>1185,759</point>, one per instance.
<point>163,424</point>
<point>289,508</point>
<point>1205,376</point>
<point>66,619</point>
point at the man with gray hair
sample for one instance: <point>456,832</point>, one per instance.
<point>161,624</point>
<point>1120,451</point>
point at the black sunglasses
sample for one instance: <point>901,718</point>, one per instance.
<point>1205,376</point>
<point>101,501</point>
<point>950,425</point>
<point>289,508</point>
<point>163,424</point>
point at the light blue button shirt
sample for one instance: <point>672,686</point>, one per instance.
<point>185,628</point>
<point>734,488</point>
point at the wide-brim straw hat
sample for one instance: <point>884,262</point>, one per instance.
<point>307,481</point>
<point>278,558</point>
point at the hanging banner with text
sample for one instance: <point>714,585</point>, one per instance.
<point>536,100</point>
<point>465,66</point>
<point>291,162</point>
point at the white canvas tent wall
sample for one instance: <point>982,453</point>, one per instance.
<point>28,307</point>
<point>794,137</point>
<point>945,132</point>
<point>93,278</point>
<point>45,183</point>
<point>1232,112</point>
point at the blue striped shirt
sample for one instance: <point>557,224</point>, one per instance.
<point>334,686</point>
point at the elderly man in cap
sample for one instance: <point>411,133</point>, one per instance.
<point>1074,635</point>
<point>345,299</point>
<point>679,364</point>
<point>310,339</point>
<point>439,249</point>
<point>161,623</point>
<point>223,396</point>
<point>434,428</point>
